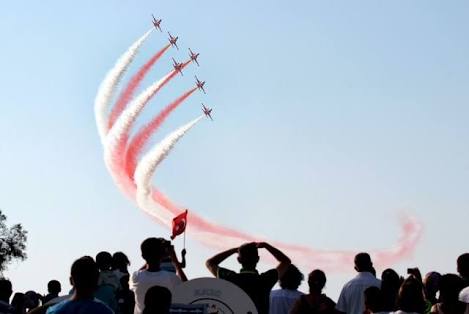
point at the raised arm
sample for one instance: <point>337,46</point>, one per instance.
<point>183,258</point>
<point>177,264</point>
<point>284,261</point>
<point>214,262</point>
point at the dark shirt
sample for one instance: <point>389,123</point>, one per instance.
<point>304,305</point>
<point>6,308</point>
<point>466,281</point>
<point>89,306</point>
<point>257,286</point>
<point>125,302</point>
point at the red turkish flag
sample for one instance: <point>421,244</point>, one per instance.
<point>179,224</point>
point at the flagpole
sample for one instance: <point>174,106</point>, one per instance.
<point>184,241</point>
<point>185,229</point>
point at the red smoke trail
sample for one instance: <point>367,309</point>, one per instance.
<point>210,234</point>
<point>121,145</point>
<point>217,236</point>
<point>200,223</point>
<point>130,89</point>
<point>141,138</point>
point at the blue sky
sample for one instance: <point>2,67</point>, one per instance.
<point>330,117</point>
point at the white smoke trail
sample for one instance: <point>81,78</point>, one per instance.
<point>146,169</point>
<point>109,84</point>
<point>114,143</point>
<point>128,117</point>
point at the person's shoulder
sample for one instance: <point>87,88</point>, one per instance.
<point>225,273</point>
<point>271,273</point>
<point>6,308</point>
<point>377,282</point>
<point>101,308</point>
<point>276,292</point>
<point>269,278</point>
<point>138,275</point>
<point>364,278</point>
<point>57,307</point>
<point>297,293</point>
<point>328,300</point>
<point>350,283</point>
<point>372,280</point>
<point>91,306</point>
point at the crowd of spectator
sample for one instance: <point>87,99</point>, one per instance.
<point>103,285</point>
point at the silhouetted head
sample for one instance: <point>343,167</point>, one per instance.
<point>120,261</point>
<point>390,283</point>
<point>363,263</point>
<point>5,290</point>
<point>18,301</point>
<point>248,255</point>
<point>84,275</point>
<point>410,297</point>
<point>390,279</point>
<point>157,300</point>
<point>153,250</point>
<point>463,266</point>
<point>54,287</point>
<point>431,285</point>
<point>316,281</point>
<point>373,299</point>
<point>450,286</point>
<point>31,300</point>
<point>291,279</point>
<point>104,261</point>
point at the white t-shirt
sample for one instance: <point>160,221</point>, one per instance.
<point>352,299</point>
<point>142,280</point>
<point>282,300</point>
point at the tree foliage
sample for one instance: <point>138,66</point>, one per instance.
<point>12,242</point>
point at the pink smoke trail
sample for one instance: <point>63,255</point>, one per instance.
<point>208,233</point>
<point>132,86</point>
<point>141,138</point>
<point>117,136</point>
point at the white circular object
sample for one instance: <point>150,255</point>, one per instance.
<point>216,295</point>
<point>464,295</point>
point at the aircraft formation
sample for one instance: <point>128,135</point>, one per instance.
<point>178,66</point>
